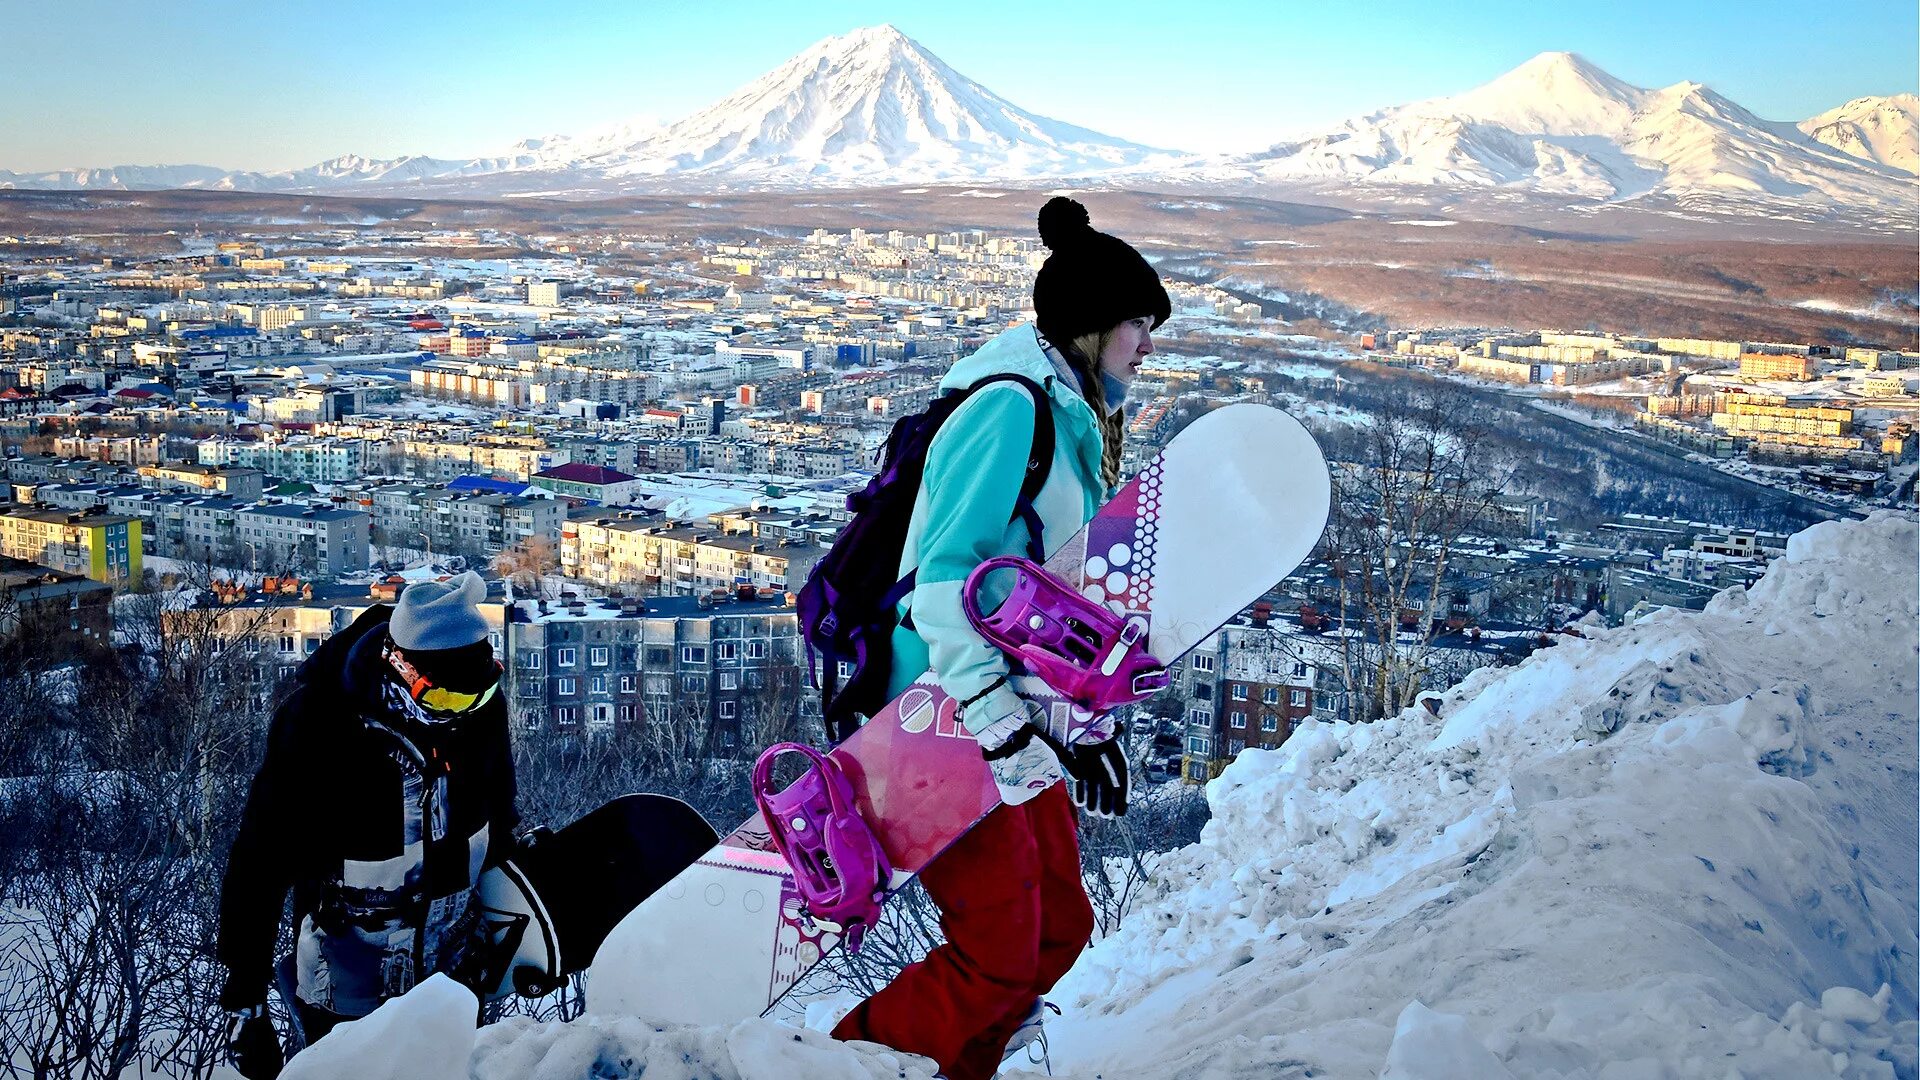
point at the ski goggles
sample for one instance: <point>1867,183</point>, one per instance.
<point>440,699</point>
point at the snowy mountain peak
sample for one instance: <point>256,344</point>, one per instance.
<point>1883,130</point>
<point>1555,93</point>
<point>870,106</point>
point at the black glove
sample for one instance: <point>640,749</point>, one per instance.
<point>252,1045</point>
<point>531,839</point>
<point>1097,771</point>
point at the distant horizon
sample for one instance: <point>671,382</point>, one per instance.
<point>114,83</point>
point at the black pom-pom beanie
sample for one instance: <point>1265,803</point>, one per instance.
<point>1092,281</point>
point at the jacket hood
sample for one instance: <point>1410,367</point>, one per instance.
<point>349,659</point>
<point>1017,351</point>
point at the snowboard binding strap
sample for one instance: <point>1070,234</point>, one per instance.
<point>839,867</point>
<point>1088,653</point>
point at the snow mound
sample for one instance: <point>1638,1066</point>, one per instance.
<point>1680,848</point>
<point>426,1034</point>
<point>524,1049</point>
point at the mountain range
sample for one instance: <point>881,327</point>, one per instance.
<point>875,108</point>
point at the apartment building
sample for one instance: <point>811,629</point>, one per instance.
<point>468,522</point>
<point>243,484</point>
<point>588,666</point>
<point>325,541</point>
<point>629,550</point>
<point>314,461</point>
<point>91,543</point>
<point>62,612</point>
<point>1247,686</point>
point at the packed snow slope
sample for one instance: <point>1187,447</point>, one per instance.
<point>1885,130</point>
<point>1682,848</point>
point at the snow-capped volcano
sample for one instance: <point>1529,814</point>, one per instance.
<point>1885,130</point>
<point>1559,124</point>
<point>872,106</point>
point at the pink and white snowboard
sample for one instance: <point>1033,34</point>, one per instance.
<point>1230,507</point>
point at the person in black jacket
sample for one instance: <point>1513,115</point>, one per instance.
<point>387,788</point>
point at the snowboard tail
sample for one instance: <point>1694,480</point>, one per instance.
<point>549,908</point>
<point>1229,508</point>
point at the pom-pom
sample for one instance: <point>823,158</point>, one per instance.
<point>1061,220</point>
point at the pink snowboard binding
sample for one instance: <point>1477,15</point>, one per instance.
<point>840,869</point>
<point>1082,649</point>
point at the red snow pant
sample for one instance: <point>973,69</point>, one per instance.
<point>1015,915</point>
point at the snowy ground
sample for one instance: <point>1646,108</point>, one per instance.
<point>1683,848</point>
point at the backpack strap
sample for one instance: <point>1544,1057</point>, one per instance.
<point>1039,464</point>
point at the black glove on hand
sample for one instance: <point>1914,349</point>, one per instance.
<point>532,838</point>
<point>1097,771</point>
<point>252,1045</point>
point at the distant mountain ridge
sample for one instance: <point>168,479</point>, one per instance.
<point>875,108</point>
<point>1558,124</point>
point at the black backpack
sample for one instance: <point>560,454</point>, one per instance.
<point>848,607</point>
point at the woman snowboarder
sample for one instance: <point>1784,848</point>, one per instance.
<point>1013,909</point>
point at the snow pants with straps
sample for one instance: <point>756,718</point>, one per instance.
<point>1015,915</point>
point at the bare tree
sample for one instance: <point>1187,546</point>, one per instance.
<point>528,564</point>
<point>1405,489</point>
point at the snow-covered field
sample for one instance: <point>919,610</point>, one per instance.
<point>1681,848</point>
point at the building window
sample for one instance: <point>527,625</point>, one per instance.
<point>756,650</point>
<point>530,661</point>
<point>659,656</point>
<point>1271,695</point>
<point>729,681</point>
<point>725,650</point>
<point>532,688</point>
<point>597,656</point>
<point>845,668</point>
<point>626,684</point>
<point>597,684</point>
<point>565,715</point>
<point>565,657</point>
<point>693,654</point>
<point>1299,699</point>
<point>1199,745</point>
<point>728,710</point>
<point>1239,691</point>
<point>1299,671</point>
<point>1269,722</point>
<point>623,713</point>
<point>694,684</point>
<point>1200,717</point>
<point>1202,662</point>
<point>566,687</point>
<point>286,644</point>
<point>1237,719</point>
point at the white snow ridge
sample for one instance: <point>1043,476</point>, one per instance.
<point>1682,848</point>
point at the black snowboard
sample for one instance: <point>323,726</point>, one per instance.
<point>547,909</point>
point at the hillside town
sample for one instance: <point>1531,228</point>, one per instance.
<point>647,442</point>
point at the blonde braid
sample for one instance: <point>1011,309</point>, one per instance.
<point>1113,423</point>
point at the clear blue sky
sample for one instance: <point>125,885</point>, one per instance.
<point>267,85</point>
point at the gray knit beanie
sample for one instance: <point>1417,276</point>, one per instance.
<point>435,615</point>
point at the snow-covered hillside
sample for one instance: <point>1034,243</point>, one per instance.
<point>1885,130</point>
<point>1558,124</point>
<point>1682,848</point>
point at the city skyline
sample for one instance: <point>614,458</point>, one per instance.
<point>445,82</point>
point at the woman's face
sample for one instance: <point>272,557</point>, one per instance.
<point>1132,342</point>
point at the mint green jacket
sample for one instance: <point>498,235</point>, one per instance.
<point>974,470</point>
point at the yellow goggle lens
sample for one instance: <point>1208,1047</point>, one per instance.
<point>440,699</point>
